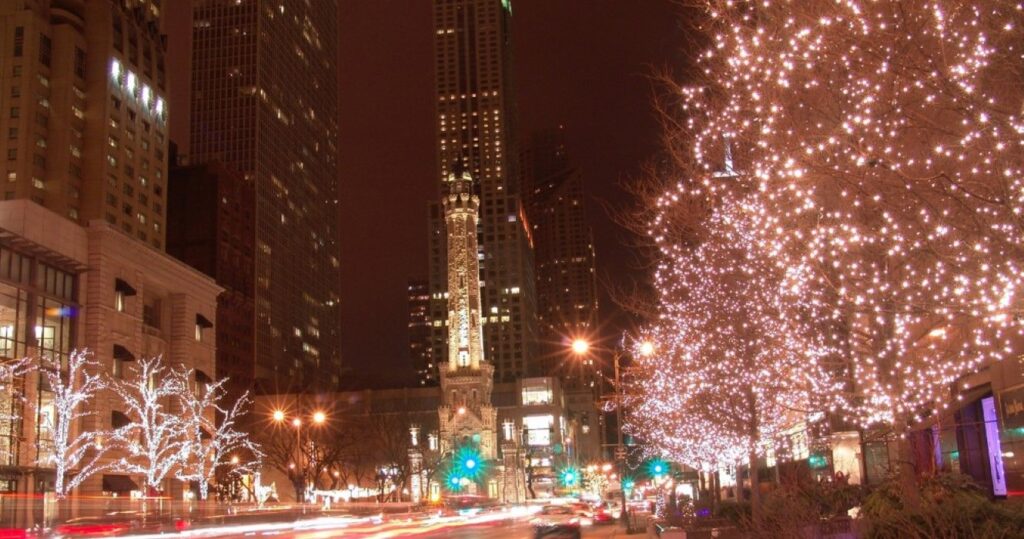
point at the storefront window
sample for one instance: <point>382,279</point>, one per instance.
<point>538,429</point>
<point>11,409</point>
<point>44,432</point>
<point>26,281</point>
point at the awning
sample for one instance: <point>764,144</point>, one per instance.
<point>203,322</point>
<point>203,378</point>
<point>122,353</point>
<point>118,483</point>
<point>119,419</point>
<point>122,286</point>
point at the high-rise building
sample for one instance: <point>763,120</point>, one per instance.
<point>475,129</point>
<point>211,227</point>
<point>84,111</point>
<point>264,102</point>
<point>419,332</point>
<point>82,223</point>
<point>564,255</point>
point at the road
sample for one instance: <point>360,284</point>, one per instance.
<point>512,522</point>
<point>521,531</point>
<point>516,528</point>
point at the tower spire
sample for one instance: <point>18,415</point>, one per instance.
<point>461,213</point>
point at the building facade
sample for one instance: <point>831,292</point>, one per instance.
<point>419,332</point>
<point>84,112</point>
<point>63,287</point>
<point>475,130</point>
<point>264,103</point>
<point>211,227</point>
<point>564,254</point>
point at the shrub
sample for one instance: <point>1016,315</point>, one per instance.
<point>952,506</point>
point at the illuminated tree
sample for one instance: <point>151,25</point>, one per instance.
<point>74,387</point>
<point>155,440</point>
<point>210,444</point>
<point>734,363</point>
<point>880,149</point>
<point>12,398</point>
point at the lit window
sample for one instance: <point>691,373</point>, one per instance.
<point>130,82</point>
<point>538,429</point>
<point>119,301</point>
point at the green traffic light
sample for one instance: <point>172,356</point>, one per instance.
<point>657,468</point>
<point>569,476</point>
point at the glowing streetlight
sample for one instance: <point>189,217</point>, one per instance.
<point>296,422</point>
<point>319,418</point>
<point>234,459</point>
<point>580,347</point>
<point>646,348</point>
<point>278,415</point>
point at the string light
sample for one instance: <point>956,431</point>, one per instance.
<point>861,251</point>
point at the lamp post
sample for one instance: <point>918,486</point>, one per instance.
<point>318,418</point>
<point>581,347</point>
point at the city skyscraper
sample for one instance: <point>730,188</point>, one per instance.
<point>264,102</point>
<point>85,116</point>
<point>419,332</point>
<point>82,225</point>
<point>211,227</point>
<point>476,133</point>
<point>564,253</point>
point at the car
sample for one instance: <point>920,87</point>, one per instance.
<point>557,521</point>
<point>603,514</point>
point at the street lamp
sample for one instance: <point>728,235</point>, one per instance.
<point>581,347</point>
<point>318,418</point>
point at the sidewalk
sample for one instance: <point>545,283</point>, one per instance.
<point>616,530</point>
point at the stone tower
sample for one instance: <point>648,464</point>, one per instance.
<point>466,415</point>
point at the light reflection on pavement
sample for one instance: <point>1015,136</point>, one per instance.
<point>505,523</point>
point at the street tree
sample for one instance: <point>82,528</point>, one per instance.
<point>75,387</point>
<point>12,395</point>
<point>155,440</point>
<point>879,146</point>
<point>731,367</point>
<point>212,442</point>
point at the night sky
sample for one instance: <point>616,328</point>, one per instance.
<point>584,64</point>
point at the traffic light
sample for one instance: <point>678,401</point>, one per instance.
<point>657,468</point>
<point>468,462</point>
<point>570,477</point>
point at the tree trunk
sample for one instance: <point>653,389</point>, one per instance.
<point>755,490</point>
<point>58,484</point>
<point>716,491</point>
<point>909,492</point>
